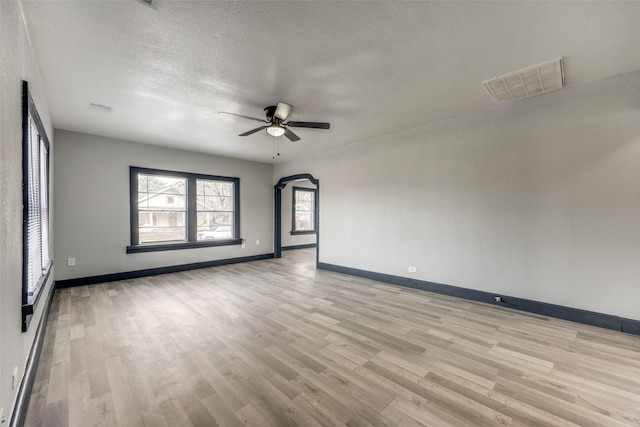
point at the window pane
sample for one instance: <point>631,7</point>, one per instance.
<point>162,226</point>
<point>304,196</point>
<point>303,210</point>
<point>214,206</point>
<point>304,221</point>
<point>162,207</point>
<point>215,225</point>
<point>220,231</point>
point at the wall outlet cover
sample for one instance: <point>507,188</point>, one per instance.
<point>14,378</point>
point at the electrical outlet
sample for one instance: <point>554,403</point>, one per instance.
<point>14,378</point>
<point>257,242</point>
<point>71,262</point>
<point>412,269</point>
<point>244,245</point>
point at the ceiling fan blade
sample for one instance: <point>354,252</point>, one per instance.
<point>314,125</point>
<point>282,111</point>
<point>292,136</point>
<point>253,131</point>
<point>245,117</point>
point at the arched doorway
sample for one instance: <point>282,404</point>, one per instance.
<point>282,183</point>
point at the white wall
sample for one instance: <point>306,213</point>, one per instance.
<point>92,209</point>
<point>16,64</point>
<point>287,213</point>
<point>539,199</point>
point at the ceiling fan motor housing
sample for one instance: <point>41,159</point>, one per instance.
<point>269,112</point>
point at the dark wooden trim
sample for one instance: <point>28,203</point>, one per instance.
<point>182,245</point>
<point>236,207</point>
<point>25,193</point>
<point>630,326</point>
<point>293,247</point>
<point>26,386</point>
<point>283,181</point>
<point>277,237</point>
<point>133,205</point>
<point>602,320</point>
<point>317,222</point>
<point>91,280</point>
<point>192,210</point>
<point>179,174</point>
<point>29,309</point>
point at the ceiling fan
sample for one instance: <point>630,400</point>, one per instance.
<point>275,122</point>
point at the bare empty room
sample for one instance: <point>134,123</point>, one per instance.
<point>317,213</point>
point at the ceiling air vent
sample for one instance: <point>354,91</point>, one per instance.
<point>101,108</point>
<point>531,81</point>
<point>151,3</point>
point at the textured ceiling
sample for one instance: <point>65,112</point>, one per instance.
<point>369,68</point>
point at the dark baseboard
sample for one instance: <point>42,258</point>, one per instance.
<point>26,386</point>
<point>91,280</point>
<point>307,246</point>
<point>551,310</point>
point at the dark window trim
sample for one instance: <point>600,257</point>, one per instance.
<point>29,302</point>
<point>293,210</point>
<point>191,242</point>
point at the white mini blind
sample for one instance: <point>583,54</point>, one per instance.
<point>34,210</point>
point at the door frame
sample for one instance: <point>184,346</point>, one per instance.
<point>282,183</point>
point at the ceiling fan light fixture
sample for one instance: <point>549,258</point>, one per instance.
<point>275,130</point>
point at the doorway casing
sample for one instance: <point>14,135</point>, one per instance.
<point>282,183</point>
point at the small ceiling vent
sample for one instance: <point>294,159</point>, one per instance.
<point>100,107</point>
<point>525,83</point>
<point>151,3</point>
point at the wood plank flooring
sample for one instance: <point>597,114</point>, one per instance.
<point>277,343</point>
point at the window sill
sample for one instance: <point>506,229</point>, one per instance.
<point>293,233</point>
<point>155,247</point>
<point>29,308</point>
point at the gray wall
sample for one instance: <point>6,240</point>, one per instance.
<point>92,209</point>
<point>539,199</point>
<point>16,64</point>
<point>287,205</point>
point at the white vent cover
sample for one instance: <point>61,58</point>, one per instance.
<point>531,81</point>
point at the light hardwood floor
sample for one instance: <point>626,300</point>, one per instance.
<point>277,343</point>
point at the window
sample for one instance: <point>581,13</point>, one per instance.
<point>37,263</point>
<point>180,210</point>
<point>304,212</point>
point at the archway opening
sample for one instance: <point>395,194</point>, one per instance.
<point>307,212</point>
